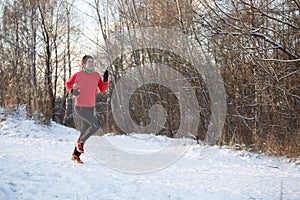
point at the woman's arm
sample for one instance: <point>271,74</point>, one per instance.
<point>70,83</point>
<point>102,85</point>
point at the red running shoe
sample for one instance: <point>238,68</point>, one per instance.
<point>76,159</point>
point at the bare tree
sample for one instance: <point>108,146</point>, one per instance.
<point>256,42</point>
<point>32,55</point>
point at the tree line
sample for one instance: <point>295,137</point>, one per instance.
<point>255,45</point>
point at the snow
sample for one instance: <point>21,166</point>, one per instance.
<point>35,164</point>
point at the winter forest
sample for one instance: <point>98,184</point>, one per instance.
<point>255,45</point>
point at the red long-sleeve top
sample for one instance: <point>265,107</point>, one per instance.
<point>87,85</point>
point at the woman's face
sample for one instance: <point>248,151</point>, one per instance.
<point>89,64</point>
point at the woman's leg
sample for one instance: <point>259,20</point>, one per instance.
<point>89,123</point>
<point>81,126</point>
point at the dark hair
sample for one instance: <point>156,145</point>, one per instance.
<point>85,58</point>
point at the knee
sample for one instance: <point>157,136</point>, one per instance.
<point>96,125</point>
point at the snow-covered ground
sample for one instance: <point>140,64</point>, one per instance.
<point>35,164</point>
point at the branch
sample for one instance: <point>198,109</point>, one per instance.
<point>297,3</point>
<point>277,60</point>
<point>273,18</point>
<point>290,74</point>
<point>279,46</point>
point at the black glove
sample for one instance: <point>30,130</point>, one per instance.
<point>105,76</point>
<point>75,92</point>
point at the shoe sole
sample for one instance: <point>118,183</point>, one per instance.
<point>79,162</point>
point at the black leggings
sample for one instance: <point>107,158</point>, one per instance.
<point>86,122</point>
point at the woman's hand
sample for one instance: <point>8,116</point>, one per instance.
<point>75,92</point>
<point>105,76</point>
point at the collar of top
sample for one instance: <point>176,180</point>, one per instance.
<point>88,71</point>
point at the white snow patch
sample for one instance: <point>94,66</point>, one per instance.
<point>35,164</point>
